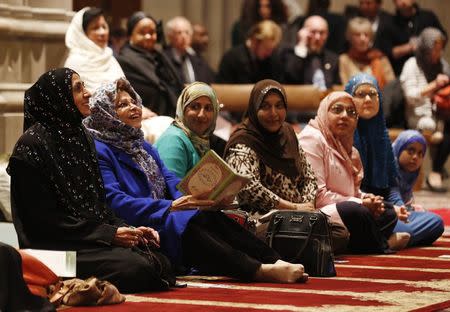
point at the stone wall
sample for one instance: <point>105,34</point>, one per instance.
<point>32,41</point>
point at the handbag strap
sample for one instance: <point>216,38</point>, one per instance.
<point>312,222</point>
<point>276,226</point>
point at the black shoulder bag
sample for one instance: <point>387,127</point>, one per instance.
<point>303,237</point>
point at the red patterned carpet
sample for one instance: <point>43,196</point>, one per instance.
<point>445,214</point>
<point>416,279</point>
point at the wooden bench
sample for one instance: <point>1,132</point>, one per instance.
<point>234,97</point>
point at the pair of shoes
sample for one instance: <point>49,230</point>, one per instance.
<point>434,182</point>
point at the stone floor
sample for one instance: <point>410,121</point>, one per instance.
<point>430,199</point>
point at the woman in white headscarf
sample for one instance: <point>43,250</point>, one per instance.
<point>89,54</point>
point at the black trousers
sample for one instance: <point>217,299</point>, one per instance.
<point>14,293</point>
<point>442,149</point>
<point>216,244</point>
<point>367,234</point>
<point>129,269</point>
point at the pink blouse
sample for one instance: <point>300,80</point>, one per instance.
<point>335,182</point>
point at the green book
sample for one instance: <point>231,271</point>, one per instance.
<point>214,177</point>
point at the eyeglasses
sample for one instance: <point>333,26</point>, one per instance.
<point>337,109</point>
<point>125,103</point>
<point>362,95</point>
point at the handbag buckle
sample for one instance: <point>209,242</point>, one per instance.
<point>278,218</point>
<point>298,219</point>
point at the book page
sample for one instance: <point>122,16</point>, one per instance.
<point>213,178</point>
<point>206,179</point>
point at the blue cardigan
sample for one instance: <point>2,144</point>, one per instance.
<point>128,193</point>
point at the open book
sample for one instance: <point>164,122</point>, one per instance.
<point>212,174</point>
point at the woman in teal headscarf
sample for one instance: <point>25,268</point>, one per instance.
<point>185,141</point>
<point>380,169</point>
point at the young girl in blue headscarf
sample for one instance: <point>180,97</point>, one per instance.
<point>381,175</point>
<point>409,150</point>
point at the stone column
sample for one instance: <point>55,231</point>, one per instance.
<point>32,40</point>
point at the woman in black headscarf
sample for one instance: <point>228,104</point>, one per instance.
<point>265,147</point>
<point>58,199</point>
<point>149,71</point>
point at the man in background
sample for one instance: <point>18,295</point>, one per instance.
<point>190,65</point>
<point>309,62</point>
<point>200,39</point>
<point>409,21</point>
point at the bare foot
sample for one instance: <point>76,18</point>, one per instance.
<point>398,241</point>
<point>281,272</point>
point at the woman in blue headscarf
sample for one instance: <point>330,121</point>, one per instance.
<point>372,138</point>
<point>409,150</point>
<point>380,169</point>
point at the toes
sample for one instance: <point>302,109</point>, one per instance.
<point>304,278</point>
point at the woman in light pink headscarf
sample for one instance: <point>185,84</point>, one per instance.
<point>328,143</point>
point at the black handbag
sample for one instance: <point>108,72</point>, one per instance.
<point>303,237</point>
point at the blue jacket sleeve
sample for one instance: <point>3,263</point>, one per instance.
<point>135,210</point>
<point>169,176</point>
<point>395,196</point>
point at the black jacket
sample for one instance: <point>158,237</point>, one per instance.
<point>336,32</point>
<point>407,27</point>
<point>202,71</point>
<point>153,77</point>
<point>238,66</point>
<point>297,69</point>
